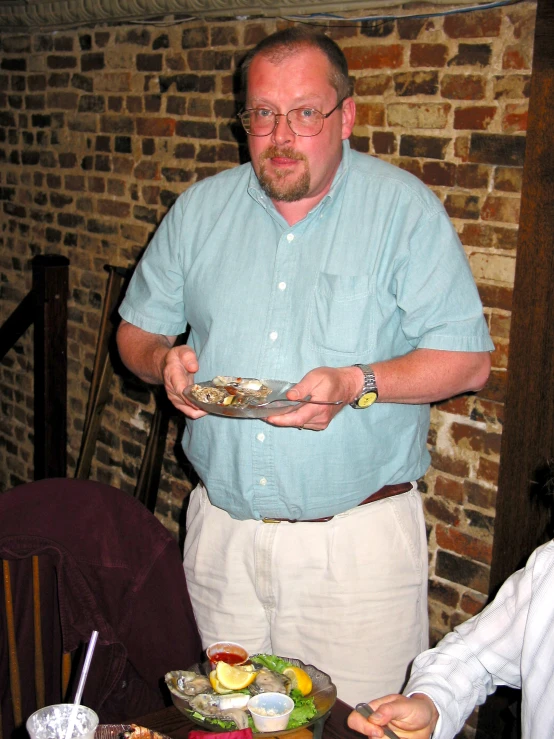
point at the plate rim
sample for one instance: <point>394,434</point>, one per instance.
<point>201,667</point>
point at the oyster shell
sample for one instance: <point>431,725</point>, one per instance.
<point>184,683</point>
<point>230,707</point>
<point>268,681</point>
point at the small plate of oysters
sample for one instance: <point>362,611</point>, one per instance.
<point>241,397</point>
<point>192,693</point>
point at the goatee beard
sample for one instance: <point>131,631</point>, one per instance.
<point>277,187</point>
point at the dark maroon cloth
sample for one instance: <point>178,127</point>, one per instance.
<point>238,734</point>
<point>107,564</point>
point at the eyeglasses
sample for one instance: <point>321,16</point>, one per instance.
<point>302,121</point>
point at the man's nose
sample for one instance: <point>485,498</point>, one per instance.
<point>282,131</point>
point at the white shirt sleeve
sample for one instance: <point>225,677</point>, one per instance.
<point>497,647</point>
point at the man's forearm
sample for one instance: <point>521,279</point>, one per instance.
<point>143,353</point>
<point>428,375</point>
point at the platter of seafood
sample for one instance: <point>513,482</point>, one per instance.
<point>201,693</point>
<point>241,397</point>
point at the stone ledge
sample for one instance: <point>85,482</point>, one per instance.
<point>45,14</point>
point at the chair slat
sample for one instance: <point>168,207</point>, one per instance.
<point>15,682</point>
<point>39,656</point>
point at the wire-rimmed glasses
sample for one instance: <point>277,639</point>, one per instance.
<point>301,121</point>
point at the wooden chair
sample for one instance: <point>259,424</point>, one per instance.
<point>79,556</point>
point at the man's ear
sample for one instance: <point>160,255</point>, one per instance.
<point>348,117</point>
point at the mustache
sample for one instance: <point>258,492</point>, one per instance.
<point>286,152</point>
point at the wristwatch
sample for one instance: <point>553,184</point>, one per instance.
<point>369,393</point>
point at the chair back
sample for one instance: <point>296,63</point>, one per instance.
<point>14,640</point>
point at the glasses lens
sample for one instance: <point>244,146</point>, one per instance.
<point>305,121</point>
<point>258,122</point>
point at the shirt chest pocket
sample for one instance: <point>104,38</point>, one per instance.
<point>342,318</point>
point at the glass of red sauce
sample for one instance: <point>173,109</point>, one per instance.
<point>226,651</point>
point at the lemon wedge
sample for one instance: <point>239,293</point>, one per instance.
<point>233,677</point>
<point>216,685</point>
<point>299,679</point>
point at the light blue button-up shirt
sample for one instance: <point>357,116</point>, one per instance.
<point>374,271</point>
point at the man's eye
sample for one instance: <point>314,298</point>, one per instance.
<point>307,113</point>
<point>263,113</point>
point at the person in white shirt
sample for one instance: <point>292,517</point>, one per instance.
<point>511,642</point>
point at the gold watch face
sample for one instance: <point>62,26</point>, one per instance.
<point>367,399</point>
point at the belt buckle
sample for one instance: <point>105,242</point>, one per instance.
<point>271,520</point>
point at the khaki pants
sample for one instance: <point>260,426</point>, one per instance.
<point>348,596</point>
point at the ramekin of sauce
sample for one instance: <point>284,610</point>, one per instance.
<point>226,651</point>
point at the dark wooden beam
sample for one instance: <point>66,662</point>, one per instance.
<point>50,287</point>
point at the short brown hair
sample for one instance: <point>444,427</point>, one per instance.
<point>283,44</point>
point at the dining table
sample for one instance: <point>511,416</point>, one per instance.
<point>174,724</point>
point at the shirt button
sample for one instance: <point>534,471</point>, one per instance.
<point>273,335</point>
<point>290,237</point>
<point>260,437</point>
<point>263,481</point>
<point>282,286</point>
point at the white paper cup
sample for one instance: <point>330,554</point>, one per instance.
<point>270,711</point>
<point>51,722</point>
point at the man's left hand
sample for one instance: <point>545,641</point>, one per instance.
<point>322,383</point>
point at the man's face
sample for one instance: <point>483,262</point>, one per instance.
<point>289,167</point>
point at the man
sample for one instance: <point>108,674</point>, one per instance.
<point>511,642</point>
<point>300,266</point>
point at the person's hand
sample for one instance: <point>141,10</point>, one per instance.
<point>413,718</point>
<point>322,383</point>
<point>178,367</point>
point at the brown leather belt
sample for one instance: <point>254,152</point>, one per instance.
<point>387,491</point>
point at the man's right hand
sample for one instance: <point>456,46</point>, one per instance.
<point>178,368</point>
<point>155,359</point>
<point>412,718</point>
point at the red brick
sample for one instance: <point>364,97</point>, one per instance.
<point>466,436</point>
<point>458,542</point>
<point>488,236</point>
<point>500,326</point>
<point>438,509</point>
<point>428,55</point>
<point>439,174</point>
<point>514,119</point>
<point>488,411</point>
<point>155,126</point>
<point>495,389</point>
<point>456,467</point>
<point>376,84</point>
<point>115,208</point>
<point>488,470</point>
<point>370,114</point>
<point>473,176</point>
<point>515,57</point>
<point>384,142</point>
<point>508,179</point>
<point>480,24</point>
<point>500,355</point>
<point>463,87</point>
<point>496,296</point>
<point>498,208</point>
<point>390,56</point>
<point>476,117</point>
<point>446,487</point>
<point>146,170</point>
<point>459,205</point>
<point>514,86</point>
<point>474,575</point>
<point>442,593</point>
<point>479,495</point>
<point>459,405</point>
<point>473,603</point>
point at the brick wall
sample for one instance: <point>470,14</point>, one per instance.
<point>101,129</point>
